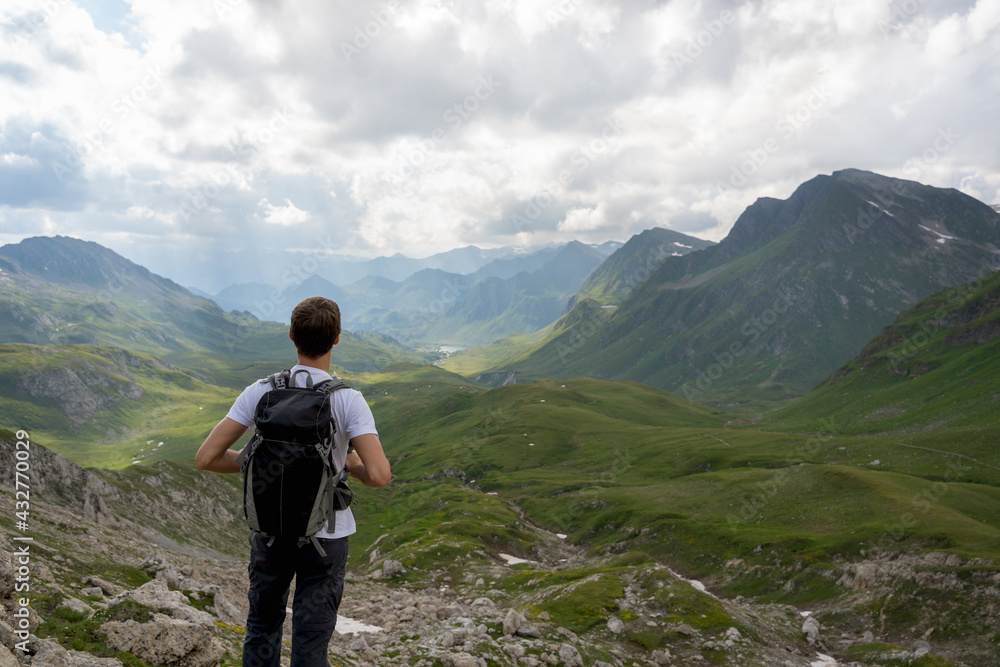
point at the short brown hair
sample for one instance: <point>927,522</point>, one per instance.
<point>315,326</point>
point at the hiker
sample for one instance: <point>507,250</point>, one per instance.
<point>317,563</point>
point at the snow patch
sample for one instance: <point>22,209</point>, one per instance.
<point>348,626</point>
<point>824,661</point>
<point>944,237</point>
<point>880,208</point>
<point>513,560</point>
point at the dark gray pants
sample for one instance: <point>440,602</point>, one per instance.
<point>319,587</point>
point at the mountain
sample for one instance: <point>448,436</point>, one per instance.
<point>798,287</point>
<point>936,368</point>
<point>634,262</point>
<point>63,291</point>
<point>525,302</point>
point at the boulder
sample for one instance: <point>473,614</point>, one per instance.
<point>392,568</point>
<point>461,660</point>
<point>811,629</point>
<point>166,641</point>
<point>79,606</point>
<point>7,658</point>
<point>615,625</point>
<point>51,654</point>
<point>511,622</point>
<point>661,657</point>
<point>569,656</point>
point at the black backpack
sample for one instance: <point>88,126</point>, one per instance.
<point>290,486</point>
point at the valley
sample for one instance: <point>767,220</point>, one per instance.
<point>775,450</point>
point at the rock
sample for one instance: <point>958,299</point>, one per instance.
<point>358,645</point>
<point>811,629</point>
<point>93,591</point>
<point>7,636</point>
<point>511,622</point>
<point>686,630</point>
<point>529,631</point>
<point>73,604</point>
<point>483,604</point>
<point>868,638</point>
<point>544,616</point>
<point>616,625</point>
<point>106,586</point>
<point>165,641</point>
<point>7,658</point>
<point>448,639</point>
<point>392,568</point>
<point>155,594</point>
<point>516,650</point>
<point>450,611</point>
<point>51,654</point>
<point>921,648</point>
<point>733,635</point>
<point>461,660</point>
<point>569,656</point>
<point>661,657</point>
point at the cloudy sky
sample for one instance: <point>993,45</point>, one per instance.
<point>175,131</point>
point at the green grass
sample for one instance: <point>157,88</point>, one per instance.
<point>478,359</point>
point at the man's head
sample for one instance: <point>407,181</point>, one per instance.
<point>315,326</point>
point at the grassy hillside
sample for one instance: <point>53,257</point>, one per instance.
<point>936,367</point>
<point>106,407</point>
<point>625,464</point>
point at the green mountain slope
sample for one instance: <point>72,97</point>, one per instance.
<point>631,264</point>
<point>103,406</point>
<point>937,366</point>
<point>798,287</point>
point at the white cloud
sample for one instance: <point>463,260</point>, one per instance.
<point>227,106</point>
<point>284,216</point>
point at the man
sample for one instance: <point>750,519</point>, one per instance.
<point>319,579</point>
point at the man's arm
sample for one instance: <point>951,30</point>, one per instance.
<point>215,453</point>
<point>367,463</point>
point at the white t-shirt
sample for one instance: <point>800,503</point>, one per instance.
<point>351,414</point>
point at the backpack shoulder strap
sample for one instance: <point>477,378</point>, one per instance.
<point>280,380</point>
<point>330,386</point>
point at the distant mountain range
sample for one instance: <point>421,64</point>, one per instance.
<point>508,295</point>
<point>798,287</point>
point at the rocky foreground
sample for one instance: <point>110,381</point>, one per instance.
<point>183,616</point>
